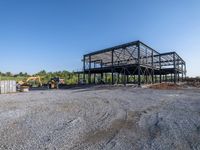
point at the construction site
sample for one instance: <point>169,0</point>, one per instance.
<point>126,97</point>
<point>99,75</point>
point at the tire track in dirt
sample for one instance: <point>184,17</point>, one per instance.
<point>103,138</point>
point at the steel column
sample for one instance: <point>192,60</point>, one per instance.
<point>112,67</point>
<point>139,68</point>
<point>160,68</point>
<point>175,72</point>
<point>84,69</point>
<point>89,75</point>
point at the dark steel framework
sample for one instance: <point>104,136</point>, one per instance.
<point>133,62</point>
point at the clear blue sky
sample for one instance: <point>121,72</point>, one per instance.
<point>54,34</point>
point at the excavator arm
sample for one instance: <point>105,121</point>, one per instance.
<point>34,79</point>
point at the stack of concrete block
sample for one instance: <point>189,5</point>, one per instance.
<point>8,86</point>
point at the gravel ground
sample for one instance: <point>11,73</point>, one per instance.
<point>117,118</point>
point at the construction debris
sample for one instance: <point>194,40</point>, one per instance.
<point>165,86</point>
<point>194,82</point>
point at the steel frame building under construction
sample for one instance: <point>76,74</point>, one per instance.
<point>133,62</point>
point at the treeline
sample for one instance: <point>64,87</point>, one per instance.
<point>9,74</point>
<point>69,77</point>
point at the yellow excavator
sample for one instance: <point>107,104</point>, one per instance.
<point>24,86</point>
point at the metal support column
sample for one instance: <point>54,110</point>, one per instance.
<point>124,77</point>
<point>94,78</point>
<point>182,72</point>
<point>175,72</point>
<point>160,69</point>
<point>171,77</point>
<point>152,67</point>
<point>89,74</point>
<point>127,78</point>
<point>139,68</point>
<point>83,69</point>
<point>146,78</point>
<point>102,77</point>
<point>185,70</point>
<point>112,68</point>
<point>106,78</point>
<point>134,79</point>
<point>178,70</point>
<point>78,78</point>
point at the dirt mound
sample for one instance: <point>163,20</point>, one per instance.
<point>165,86</point>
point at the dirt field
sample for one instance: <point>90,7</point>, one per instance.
<point>101,118</point>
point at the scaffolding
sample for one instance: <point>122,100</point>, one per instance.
<point>133,62</point>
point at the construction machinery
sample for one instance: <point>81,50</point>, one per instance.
<point>54,83</point>
<point>24,86</point>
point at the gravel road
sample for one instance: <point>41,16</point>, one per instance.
<point>118,118</point>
